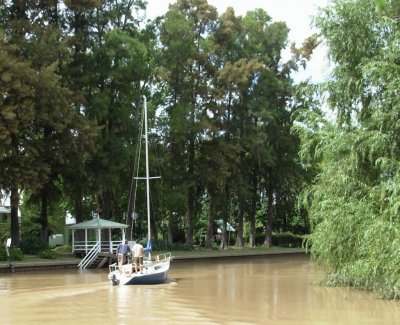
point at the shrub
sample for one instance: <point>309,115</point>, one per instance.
<point>48,254</point>
<point>287,239</point>
<point>3,254</point>
<point>15,254</point>
<point>32,245</point>
<point>163,246</point>
<point>4,231</point>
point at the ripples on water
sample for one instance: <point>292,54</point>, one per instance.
<point>268,290</point>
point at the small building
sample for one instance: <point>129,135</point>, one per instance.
<point>97,240</point>
<point>217,230</point>
<point>56,240</point>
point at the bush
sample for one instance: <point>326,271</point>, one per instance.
<point>48,254</point>
<point>32,245</point>
<point>164,246</point>
<point>3,254</point>
<point>65,249</point>
<point>15,254</point>
<point>287,239</point>
<point>4,231</point>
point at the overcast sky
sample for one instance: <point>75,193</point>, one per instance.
<point>296,13</point>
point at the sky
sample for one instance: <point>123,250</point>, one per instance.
<point>296,13</point>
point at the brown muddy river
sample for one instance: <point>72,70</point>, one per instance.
<point>267,290</point>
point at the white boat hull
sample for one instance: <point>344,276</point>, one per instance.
<point>154,272</point>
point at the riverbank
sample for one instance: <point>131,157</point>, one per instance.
<point>68,261</point>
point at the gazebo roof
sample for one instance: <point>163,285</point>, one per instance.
<point>98,223</point>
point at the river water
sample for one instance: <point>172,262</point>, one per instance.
<point>263,290</point>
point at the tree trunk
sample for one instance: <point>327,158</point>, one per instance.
<point>170,226</point>
<point>191,198</point>
<point>15,235</point>
<point>106,205</point>
<point>43,216</point>
<point>79,234</point>
<point>225,217</point>
<point>224,237</point>
<point>253,209</point>
<point>239,229</point>
<point>268,221</point>
<point>78,204</point>
<point>209,234</point>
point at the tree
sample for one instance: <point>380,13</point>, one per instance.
<point>185,69</point>
<point>353,202</point>
<point>21,160</point>
<point>53,126</point>
<point>111,58</point>
<point>16,114</point>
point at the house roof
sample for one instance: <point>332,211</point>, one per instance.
<point>220,224</point>
<point>98,223</point>
<point>4,209</point>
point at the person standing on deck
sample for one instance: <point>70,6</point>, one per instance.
<point>138,253</point>
<point>122,250</point>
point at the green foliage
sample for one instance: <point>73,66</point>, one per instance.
<point>31,242</point>
<point>15,254</point>
<point>32,245</point>
<point>284,239</point>
<point>4,232</point>
<point>287,239</point>
<point>164,246</point>
<point>220,101</point>
<point>3,254</point>
<point>354,201</point>
<point>48,254</point>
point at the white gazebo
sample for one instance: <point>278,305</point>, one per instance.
<point>93,245</point>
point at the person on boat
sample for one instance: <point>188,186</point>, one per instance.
<point>138,253</point>
<point>122,251</point>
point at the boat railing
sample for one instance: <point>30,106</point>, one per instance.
<point>161,258</point>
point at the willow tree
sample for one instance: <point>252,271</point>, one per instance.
<point>354,201</point>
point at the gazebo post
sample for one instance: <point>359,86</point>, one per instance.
<point>99,237</point>
<point>110,241</point>
<point>86,240</point>
<point>73,240</point>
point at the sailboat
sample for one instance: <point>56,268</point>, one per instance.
<point>155,269</point>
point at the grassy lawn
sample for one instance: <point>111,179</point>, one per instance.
<point>232,251</point>
<point>63,254</point>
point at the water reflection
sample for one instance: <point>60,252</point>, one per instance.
<point>272,290</point>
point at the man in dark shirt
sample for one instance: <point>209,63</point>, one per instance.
<point>122,250</point>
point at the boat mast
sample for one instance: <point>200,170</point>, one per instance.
<point>147,170</point>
